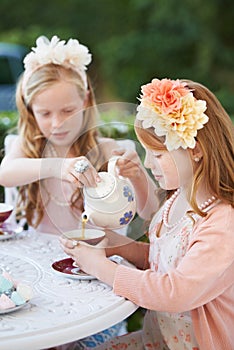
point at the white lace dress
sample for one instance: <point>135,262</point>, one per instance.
<point>162,330</point>
<point>173,329</point>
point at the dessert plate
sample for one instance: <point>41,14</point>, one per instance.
<point>12,309</point>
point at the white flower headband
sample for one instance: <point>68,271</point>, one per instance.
<point>171,109</point>
<point>71,54</point>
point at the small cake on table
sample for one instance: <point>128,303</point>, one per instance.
<point>12,292</point>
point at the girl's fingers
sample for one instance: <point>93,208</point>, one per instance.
<point>88,179</point>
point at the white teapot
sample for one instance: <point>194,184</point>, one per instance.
<point>112,204</point>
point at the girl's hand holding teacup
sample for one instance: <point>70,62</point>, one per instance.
<point>86,256</point>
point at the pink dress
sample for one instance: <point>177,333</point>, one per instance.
<point>58,216</point>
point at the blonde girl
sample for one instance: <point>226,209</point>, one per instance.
<point>58,149</point>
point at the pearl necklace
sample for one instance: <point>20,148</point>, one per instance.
<point>56,200</point>
<point>168,206</point>
<point>52,151</point>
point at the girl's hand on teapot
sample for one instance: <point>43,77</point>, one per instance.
<point>79,171</point>
<point>129,164</point>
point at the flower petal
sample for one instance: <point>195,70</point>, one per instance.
<point>170,107</point>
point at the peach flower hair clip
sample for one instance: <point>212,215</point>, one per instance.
<point>171,109</point>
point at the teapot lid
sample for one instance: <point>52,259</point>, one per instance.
<point>104,187</point>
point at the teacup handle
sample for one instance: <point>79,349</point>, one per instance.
<point>112,164</point>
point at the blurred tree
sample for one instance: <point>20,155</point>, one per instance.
<point>133,41</point>
<point>172,40</point>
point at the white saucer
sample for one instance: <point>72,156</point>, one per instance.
<point>68,268</point>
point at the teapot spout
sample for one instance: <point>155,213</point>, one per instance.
<point>85,216</point>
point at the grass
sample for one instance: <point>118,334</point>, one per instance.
<point>135,321</point>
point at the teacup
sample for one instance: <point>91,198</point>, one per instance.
<point>91,236</point>
<point>5,211</point>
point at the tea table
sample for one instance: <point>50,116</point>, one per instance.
<point>62,309</point>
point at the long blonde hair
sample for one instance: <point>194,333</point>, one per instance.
<point>216,140</point>
<point>33,141</point>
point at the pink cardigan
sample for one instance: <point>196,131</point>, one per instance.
<point>203,282</point>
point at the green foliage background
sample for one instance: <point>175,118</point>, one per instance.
<point>133,41</point>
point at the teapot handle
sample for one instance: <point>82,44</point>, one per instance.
<point>112,164</point>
